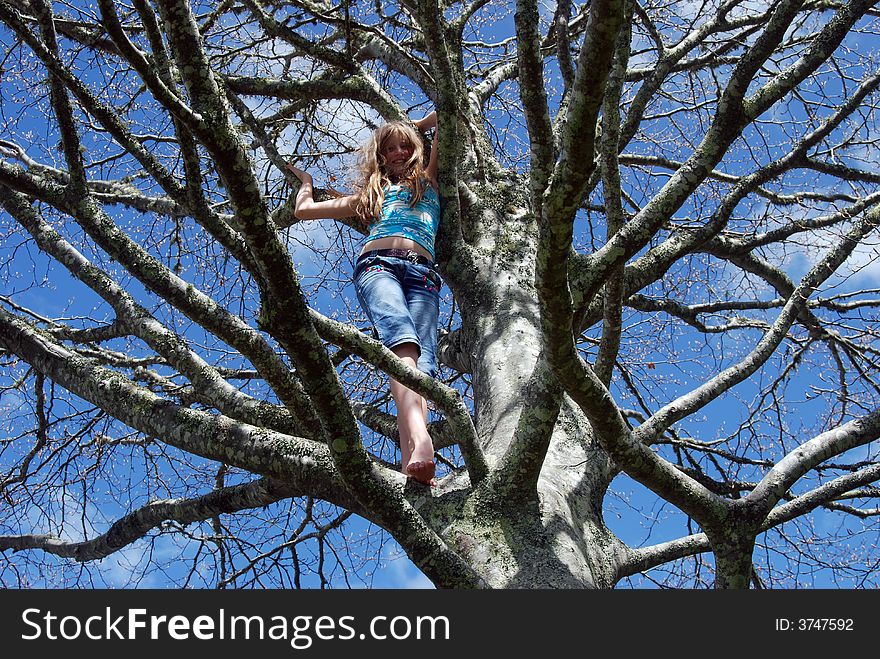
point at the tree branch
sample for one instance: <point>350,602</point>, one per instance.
<point>139,523</point>
<point>805,457</point>
<point>689,403</point>
<point>135,320</point>
<point>182,295</point>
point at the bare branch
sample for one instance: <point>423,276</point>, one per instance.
<point>136,525</point>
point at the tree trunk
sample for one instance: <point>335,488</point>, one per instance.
<point>733,565</point>
<point>733,543</point>
<point>548,531</point>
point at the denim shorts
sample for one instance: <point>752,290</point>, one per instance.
<point>402,300</point>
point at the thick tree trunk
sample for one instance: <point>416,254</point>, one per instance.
<point>733,565</point>
<point>559,538</point>
<point>733,543</point>
<point>553,537</point>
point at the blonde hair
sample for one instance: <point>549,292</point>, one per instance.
<point>373,175</point>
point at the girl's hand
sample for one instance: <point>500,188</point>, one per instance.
<point>427,122</point>
<point>305,177</point>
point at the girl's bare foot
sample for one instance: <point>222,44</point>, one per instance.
<point>422,471</point>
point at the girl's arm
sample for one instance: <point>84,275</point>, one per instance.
<point>431,169</point>
<point>426,123</point>
<point>308,209</point>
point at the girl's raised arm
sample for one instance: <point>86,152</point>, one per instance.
<point>431,169</point>
<point>424,124</point>
<point>427,122</point>
<point>308,209</point>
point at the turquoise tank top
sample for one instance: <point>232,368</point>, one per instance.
<point>418,223</point>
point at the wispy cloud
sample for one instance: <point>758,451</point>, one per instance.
<point>399,572</point>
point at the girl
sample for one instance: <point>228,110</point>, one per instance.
<point>394,277</point>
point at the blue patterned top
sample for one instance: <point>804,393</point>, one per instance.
<point>418,223</point>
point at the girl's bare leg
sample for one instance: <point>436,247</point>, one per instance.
<point>416,448</point>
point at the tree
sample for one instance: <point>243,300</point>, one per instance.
<point>656,239</point>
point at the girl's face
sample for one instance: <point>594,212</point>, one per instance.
<point>396,152</point>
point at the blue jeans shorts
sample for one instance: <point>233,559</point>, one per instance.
<point>402,300</point>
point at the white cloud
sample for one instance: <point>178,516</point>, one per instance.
<point>10,403</point>
<point>399,572</point>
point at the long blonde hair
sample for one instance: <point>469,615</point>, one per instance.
<point>373,175</point>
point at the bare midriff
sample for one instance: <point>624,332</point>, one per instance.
<point>396,242</point>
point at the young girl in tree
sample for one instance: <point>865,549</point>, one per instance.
<point>394,277</point>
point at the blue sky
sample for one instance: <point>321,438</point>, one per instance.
<point>323,253</point>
